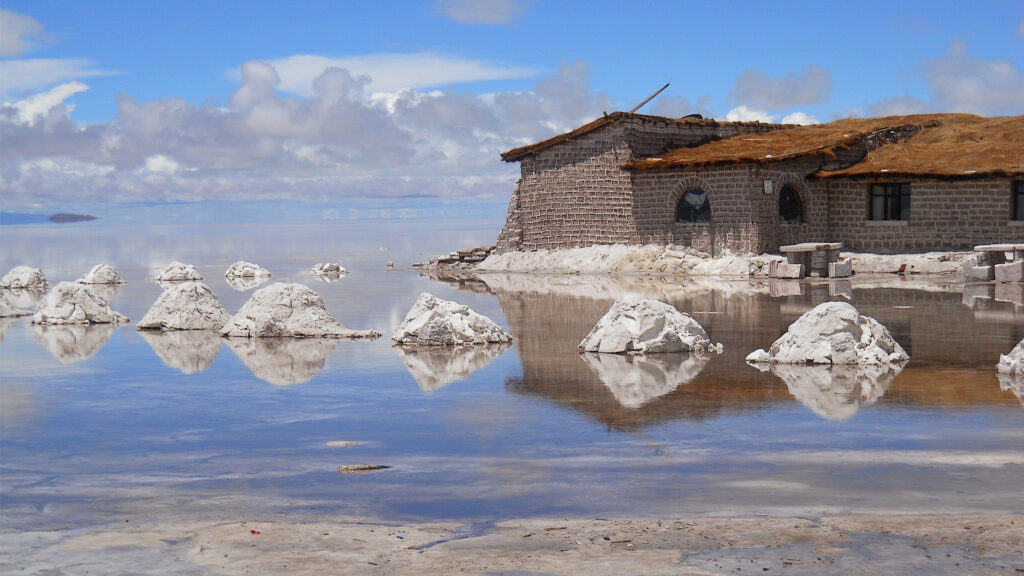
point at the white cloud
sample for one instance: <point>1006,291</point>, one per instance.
<point>18,33</point>
<point>18,76</point>
<point>799,118</point>
<point>964,83</point>
<point>481,11</point>
<point>392,72</point>
<point>1020,28</point>
<point>340,142</point>
<point>763,92</point>
<point>35,107</point>
<point>900,106</point>
<point>747,114</point>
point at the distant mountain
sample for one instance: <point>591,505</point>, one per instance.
<point>13,218</point>
<point>65,218</point>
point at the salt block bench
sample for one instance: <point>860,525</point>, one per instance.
<point>814,257</point>
<point>1006,259</point>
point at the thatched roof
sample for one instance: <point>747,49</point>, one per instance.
<point>517,154</point>
<point>946,145</point>
<point>959,145</point>
<point>781,144</point>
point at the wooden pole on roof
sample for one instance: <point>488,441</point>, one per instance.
<point>648,99</point>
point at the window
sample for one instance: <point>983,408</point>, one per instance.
<point>694,207</point>
<point>1018,201</point>
<point>790,209</point>
<point>889,201</point>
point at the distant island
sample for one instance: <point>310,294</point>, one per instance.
<point>13,218</point>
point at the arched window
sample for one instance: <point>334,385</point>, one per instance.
<point>694,207</point>
<point>790,209</point>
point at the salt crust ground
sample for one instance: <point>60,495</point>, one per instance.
<point>832,544</point>
<point>656,259</point>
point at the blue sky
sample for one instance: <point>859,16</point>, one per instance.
<point>341,106</point>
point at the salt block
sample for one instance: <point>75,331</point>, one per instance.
<point>1010,272</point>
<point>840,268</point>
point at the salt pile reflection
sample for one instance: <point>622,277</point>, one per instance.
<point>283,361</point>
<point>635,380</point>
<point>24,298</point>
<point>74,342</point>
<point>243,283</point>
<point>187,351</point>
<point>837,392</point>
<point>434,367</point>
<point>1012,383</point>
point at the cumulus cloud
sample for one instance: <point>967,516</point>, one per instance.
<point>899,106</point>
<point>799,118</point>
<point>481,11</point>
<point>747,114</point>
<point>759,91</point>
<point>339,142</point>
<point>392,72</point>
<point>18,33</point>
<point>964,83</point>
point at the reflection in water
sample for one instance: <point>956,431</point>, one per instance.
<point>187,351</point>
<point>5,325</point>
<point>73,342</point>
<point>24,298</point>
<point>105,291</point>
<point>635,380</point>
<point>435,367</point>
<point>1012,383</point>
<point>836,392</point>
<point>283,361</point>
<point>243,283</point>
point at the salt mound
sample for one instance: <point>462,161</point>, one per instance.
<point>178,272</point>
<point>288,310</point>
<point>8,309</point>
<point>833,333</point>
<point>71,303</point>
<point>1012,363</point>
<point>329,271</point>
<point>435,322</point>
<point>635,324</point>
<point>101,274</point>
<point>187,306</point>
<point>242,269</point>
<point>23,277</point>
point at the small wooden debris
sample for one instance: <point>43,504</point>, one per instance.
<point>357,468</point>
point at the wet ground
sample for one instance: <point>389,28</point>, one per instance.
<point>105,427</point>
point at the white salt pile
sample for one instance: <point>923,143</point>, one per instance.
<point>243,269</point>
<point>833,333</point>
<point>178,272</point>
<point>101,274</point>
<point>288,310</point>
<point>187,306</point>
<point>635,324</point>
<point>1012,363</point>
<point>71,303</point>
<point>435,322</point>
<point>635,380</point>
<point>24,277</point>
<point>329,270</point>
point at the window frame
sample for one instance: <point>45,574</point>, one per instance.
<point>705,213</point>
<point>895,200</point>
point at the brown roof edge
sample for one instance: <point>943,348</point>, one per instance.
<point>517,154</point>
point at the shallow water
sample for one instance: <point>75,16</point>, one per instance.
<point>105,424</point>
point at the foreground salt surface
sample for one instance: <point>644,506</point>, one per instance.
<point>187,306</point>
<point>284,310</point>
<point>435,322</point>
<point>833,333</point>
<point>659,259</point>
<point>635,324</point>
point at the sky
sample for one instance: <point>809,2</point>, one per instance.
<point>336,110</point>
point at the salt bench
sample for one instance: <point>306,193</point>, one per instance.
<point>816,258</point>
<point>1007,261</point>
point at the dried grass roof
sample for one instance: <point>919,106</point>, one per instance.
<point>947,145</point>
<point>781,144</point>
<point>959,145</point>
<point>517,154</point>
